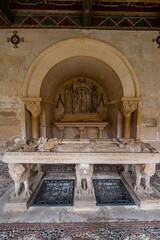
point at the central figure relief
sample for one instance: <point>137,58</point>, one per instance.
<point>80,98</point>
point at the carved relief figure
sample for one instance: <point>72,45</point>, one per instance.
<point>94,99</point>
<point>20,173</point>
<point>78,100</point>
<point>145,171</point>
<point>81,98</point>
<point>84,178</point>
<point>82,95</point>
<point>68,99</point>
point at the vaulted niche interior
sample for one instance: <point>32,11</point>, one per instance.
<point>81,89</point>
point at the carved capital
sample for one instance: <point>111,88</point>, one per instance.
<point>34,108</point>
<point>127,107</point>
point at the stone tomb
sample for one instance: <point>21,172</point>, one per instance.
<point>85,153</point>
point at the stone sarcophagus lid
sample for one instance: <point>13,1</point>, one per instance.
<point>98,151</point>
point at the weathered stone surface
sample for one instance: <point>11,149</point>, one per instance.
<point>75,158</point>
<point>137,47</point>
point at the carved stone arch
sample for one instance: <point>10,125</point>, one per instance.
<point>81,47</point>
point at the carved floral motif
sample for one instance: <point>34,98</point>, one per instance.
<point>127,107</point>
<point>34,108</point>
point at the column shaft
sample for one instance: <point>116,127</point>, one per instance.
<point>35,128</point>
<point>35,109</point>
<point>126,127</point>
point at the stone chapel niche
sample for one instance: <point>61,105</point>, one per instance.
<point>81,100</point>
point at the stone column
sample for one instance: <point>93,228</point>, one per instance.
<point>101,132</point>
<point>126,108</point>
<point>81,129</point>
<point>35,109</point>
<point>62,132</point>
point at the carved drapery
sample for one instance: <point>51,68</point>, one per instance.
<point>127,108</point>
<point>35,109</point>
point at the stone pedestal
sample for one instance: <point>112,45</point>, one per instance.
<point>145,201</point>
<point>84,201</point>
<point>21,204</point>
<point>84,197</point>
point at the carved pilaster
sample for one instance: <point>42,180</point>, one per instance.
<point>34,108</point>
<point>127,108</point>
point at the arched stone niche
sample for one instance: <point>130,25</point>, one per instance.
<point>80,100</point>
<point>150,122</point>
<point>87,58</point>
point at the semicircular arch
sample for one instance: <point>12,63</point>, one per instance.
<point>81,47</point>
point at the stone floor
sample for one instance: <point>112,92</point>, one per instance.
<point>65,223</point>
<point>79,231</point>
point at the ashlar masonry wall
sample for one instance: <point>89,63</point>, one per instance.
<point>137,47</point>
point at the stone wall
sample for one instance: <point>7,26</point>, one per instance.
<point>137,47</point>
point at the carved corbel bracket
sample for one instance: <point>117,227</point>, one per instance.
<point>127,108</point>
<point>34,107</point>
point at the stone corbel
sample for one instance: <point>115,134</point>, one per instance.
<point>127,108</point>
<point>35,109</point>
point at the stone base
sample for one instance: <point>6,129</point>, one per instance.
<point>20,204</point>
<point>77,117</point>
<point>85,201</point>
<point>145,201</point>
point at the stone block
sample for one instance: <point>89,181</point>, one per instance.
<point>7,131</point>
<point>149,133</point>
<point>28,61</point>
<point>24,49</point>
<point>146,49</point>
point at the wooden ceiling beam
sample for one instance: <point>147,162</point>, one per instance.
<point>87,11</point>
<point>128,1</point>
<point>5,17</point>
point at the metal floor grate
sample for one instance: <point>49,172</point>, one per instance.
<point>111,192</point>
<point>55,193</point>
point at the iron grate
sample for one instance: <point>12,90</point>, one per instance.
<point>111,192</point>
<point>55,193</point>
